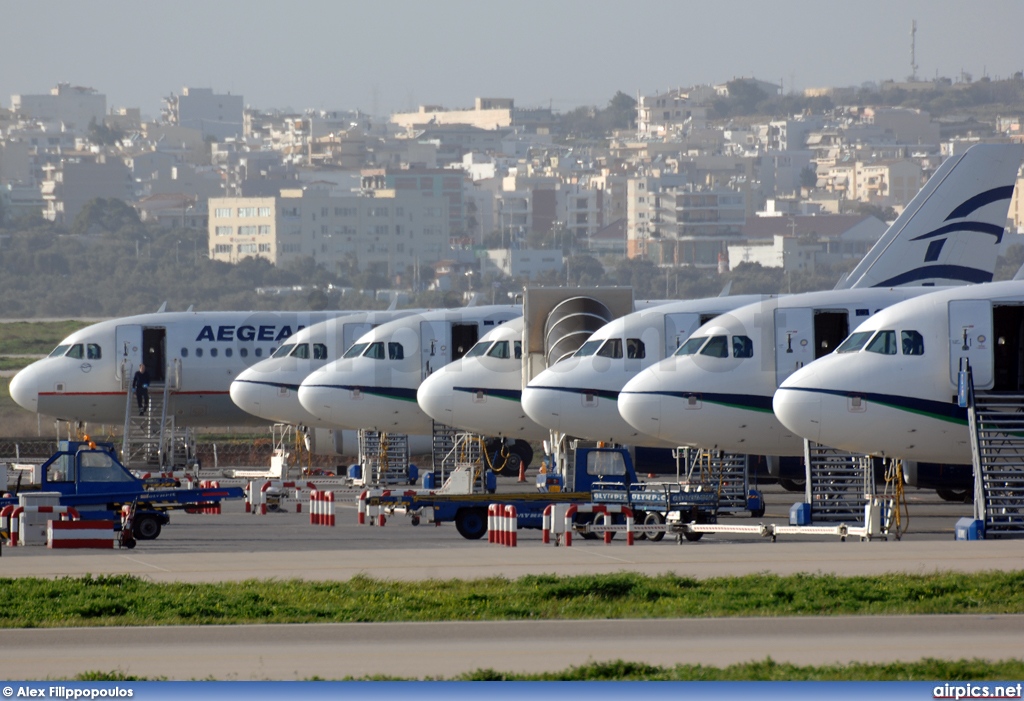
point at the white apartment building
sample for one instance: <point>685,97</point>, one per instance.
<point>213,114</point>
<point>74,106</point>
<point>388,232</point>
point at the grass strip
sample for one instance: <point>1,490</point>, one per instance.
<point>124,600</point>
<point>38,337</point>
<point>765,670</point>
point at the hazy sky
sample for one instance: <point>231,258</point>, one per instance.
<point>388,56</point>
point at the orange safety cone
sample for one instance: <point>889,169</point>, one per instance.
<point>522,471</point>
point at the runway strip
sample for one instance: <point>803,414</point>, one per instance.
<point>420,650</point>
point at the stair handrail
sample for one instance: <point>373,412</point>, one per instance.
<point>966,398</point>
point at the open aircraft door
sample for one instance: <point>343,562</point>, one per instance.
<point>970,337</point>
<point>128,342</point>
<point>435,341</point>
<point>794,341</point>
<point>678,328</point>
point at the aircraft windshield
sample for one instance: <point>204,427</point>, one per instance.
<point>58,351</point>
<point>75,352</point>
<point>883,343</point>
<point>691,346</point>
<point>717,347</point>
<point>283,350</point>
<point>356,350</point>
<point>375,350</point>
<point>612,348</point>
<point>588,348</point>
<point>499,350</point>
<point>855,342</point>
<point>478,349</point>
<point>301,351</point>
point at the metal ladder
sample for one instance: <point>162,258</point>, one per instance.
<point>384,457</point>
<point>838,483</point>
<point>996,422</point>
<point>725,472</point>
<point>154,441</point>
<point>442,444</point>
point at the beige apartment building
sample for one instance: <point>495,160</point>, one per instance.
<point>388,232</point>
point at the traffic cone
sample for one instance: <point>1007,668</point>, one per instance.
<point>522,471</point>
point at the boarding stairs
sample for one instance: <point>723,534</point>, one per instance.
<point>839,483</point>
<point>996,421</point>
<point>384,457</point>
<point>153,441</point>
<point>466,456</point>
<point>726,473</point>
<point>442,443</point>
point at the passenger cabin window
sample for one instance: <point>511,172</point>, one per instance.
<point>213,352</point>
<point>518,350</point>
<point>588,348</point>
<point>244,352</point>
<point>319,351</point>
<point>478,349</point>
<point>855,342</point>
<point>499,350</point>
<point>75,352</point>
<point>93,351</point>
<point>742,347</point>
<point>184,352</point>
<point>691,346</point>
<point>258,352</point>
<point>635,348</point>
<point>913,343</point>
<point>356,350</point>
<point>717,347</point>
<point>612,348</point>
<point>199,352</point>
<point>884,343</point>
<point>375,350</point>
<point>396,351</point>
<point>284,350</point>
<point>301,351</point>
<point>58,351</point>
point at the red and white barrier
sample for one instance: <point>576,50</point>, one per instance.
<point>321,508</point>
<point>256,495</point>
<point>23,531</point>
<point>605,510</point>
<point>502,525</point>
<point>80,534</point>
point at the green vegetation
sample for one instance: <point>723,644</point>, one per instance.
<point>125,601</point>
<point>35,337</point>
<point>765,670</point>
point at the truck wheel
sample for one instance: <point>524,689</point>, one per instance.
<point>654,518</point>
<point>146,528</point>
<point>693,537</point>
<point>471,523</point>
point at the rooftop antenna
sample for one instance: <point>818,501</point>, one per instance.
<point>913,51</point>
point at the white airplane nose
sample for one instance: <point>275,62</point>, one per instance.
<point>435,398</point>
<point>642,411</point>
<point>318,400</point>
<point>799,411</point>
<point>24,389</point>
<point>544,406</point>
<point>247,396</point>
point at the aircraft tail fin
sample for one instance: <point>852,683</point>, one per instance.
<point>726,290</point>
<point>951,231</point>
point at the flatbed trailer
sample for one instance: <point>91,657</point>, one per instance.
<point>88,476</point>
<point>602,475</point>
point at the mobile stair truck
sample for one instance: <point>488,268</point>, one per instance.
<point>87,476</point>
<point>600,475</point>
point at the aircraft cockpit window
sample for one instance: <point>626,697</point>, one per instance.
<point>635,348</point>
<point>612,348</point>
<point>356,350</point>
<point>499,350</point>
<point>717,347</point>
<point>396,351</point>
<point>518,350</point>
<point>913,343</point>
<point>742,347</point>
<point>93,351</point>
<point>301,351</point>
<point>588,348</point>
<point>375,350</point>
<point>479,349</point>
<point>58,351</point>
<point>284,350</point>
<point>319,351</point>
<point>854,342</point>
<point>884,343</point>
<point>691,346</point>
<point>75,352</point>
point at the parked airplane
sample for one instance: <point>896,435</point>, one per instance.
<point>374,384</point>
<point>891,388</point>
<point>716,391</point>
<point>86,376</point>
<point>269,389</point>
